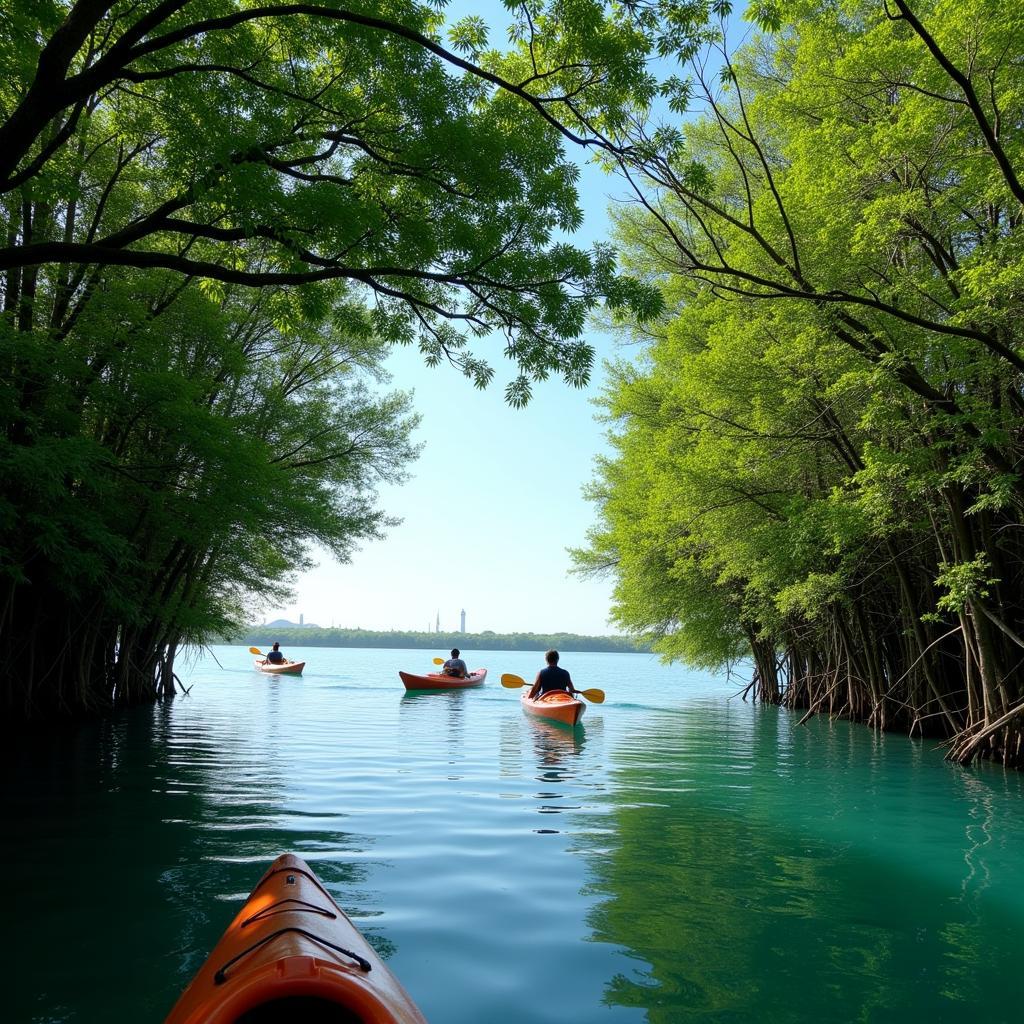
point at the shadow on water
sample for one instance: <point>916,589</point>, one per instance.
<point>759,875</point>
<point>118,919</point>
<point>447,698</point>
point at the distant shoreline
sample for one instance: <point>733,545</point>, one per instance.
<point>315,636</point>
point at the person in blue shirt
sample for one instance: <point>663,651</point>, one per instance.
<point>455,666</point>
<point>275,656</point>
<point>551,678</point>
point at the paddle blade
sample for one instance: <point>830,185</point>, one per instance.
<point>439,661</point>
<point>594,696</point>
<point>511,681</point>
<point>255,650</point>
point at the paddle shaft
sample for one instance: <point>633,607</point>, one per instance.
<point>256,650</point>
<point>514,682</point>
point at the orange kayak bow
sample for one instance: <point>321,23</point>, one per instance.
<point>292,955</point>
<point>555,705</point>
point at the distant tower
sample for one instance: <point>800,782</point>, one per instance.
<point>302,619</point>
<point>462,621</point>
<point>437,624</point>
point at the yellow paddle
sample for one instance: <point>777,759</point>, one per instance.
<point>256,650</point>
<point>595,696</point>
<point>440,661</point>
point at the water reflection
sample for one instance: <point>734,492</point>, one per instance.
<point>718,858</point>
<point>510,745</point>
<point>735,890</point>
<point>556,752</point>
<point>554,743</point>
<point>426,715</point>
<point>173,816</point>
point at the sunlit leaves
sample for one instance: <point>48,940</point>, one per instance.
<point>766,14</point>
<point>783,454</point>
<point>469,35</point>
<point>964,582</point>
<point>314,145</point>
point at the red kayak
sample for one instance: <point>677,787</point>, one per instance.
<point>292,955</point>
<point>555,705</point>
<point>438,681</point>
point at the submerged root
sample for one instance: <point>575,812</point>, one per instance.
<point>969,744</point>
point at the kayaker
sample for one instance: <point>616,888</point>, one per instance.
<point>275,656</point>
<point>455,666</point>
<point>551,678</point>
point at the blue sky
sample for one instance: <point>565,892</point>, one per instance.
<point>494,502</point>
<point>496,497</point>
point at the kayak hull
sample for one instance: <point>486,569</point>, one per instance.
<point>555,706</point>
<point>292,955</point>
<point>289,668</point>
<point>437,681</point>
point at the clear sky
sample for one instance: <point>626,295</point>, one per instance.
<point>494,502</point>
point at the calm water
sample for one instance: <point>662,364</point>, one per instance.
<point>682,857</point>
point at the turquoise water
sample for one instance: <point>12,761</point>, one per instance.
<point>681,857</point>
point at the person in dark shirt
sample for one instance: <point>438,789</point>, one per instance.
<point>275,656</point>
<point>455,666</point>
<point>551,678</point>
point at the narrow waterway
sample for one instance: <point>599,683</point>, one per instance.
<point>681,857</point>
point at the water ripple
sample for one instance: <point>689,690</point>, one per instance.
<point>680,857</point>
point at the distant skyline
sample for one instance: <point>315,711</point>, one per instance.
<point>282,623</point>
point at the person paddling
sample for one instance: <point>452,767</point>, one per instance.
<point>455,666</point>
<point>275,656</point>
<point>551,678</point>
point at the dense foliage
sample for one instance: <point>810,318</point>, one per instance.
<point>215,217</point>
<point>166,460</point>
<point>317,636</point>
<point>817,458</point>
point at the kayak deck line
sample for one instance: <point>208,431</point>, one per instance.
<point>291,868</point>
<point>220,975</point>
<point>291,954</point>
<point>270,911</point>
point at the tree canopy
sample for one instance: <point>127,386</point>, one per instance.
<point>217,215</point>
<point>286,144</point>
<point>817,462</point>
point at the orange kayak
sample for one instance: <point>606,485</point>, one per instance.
<point>289,668</point>
<point>556,705</point>
<point>292,955</point>
<point>437,681</point>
